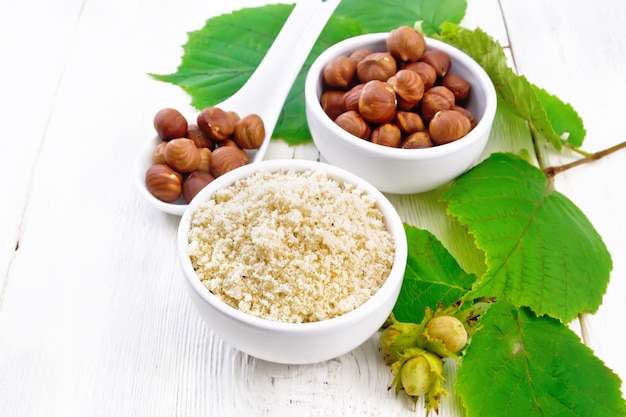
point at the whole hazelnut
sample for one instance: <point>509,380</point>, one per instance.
<point>377,102</point>
<point>467,114</point>
<point>409,88</point>
<point>205,160</point>
<point>406,43</point>
<point>448,126</point>
<point>439,60</point>
<point>458,85</point>
<point>332,103</point>
<point>436,99</point>
<point>216,123</point>
<point>376,66</point>
<point>249,132</point>
<point>426,71</point>
<point>339,72</point>
<point>227,158</point>
<point>182,155</point>
<point>164,183</point>
<point>387,134</point>
<point>158,155</point>
<point>409,122</point>
<point>417,140</point>
<point>199,138</point>
<point>359,54</point>
<point>169,124</point>
<point>195,182</point>
<point>351,98</point>
<point>352,122</point>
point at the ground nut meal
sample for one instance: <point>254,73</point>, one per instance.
<point>291,246</point>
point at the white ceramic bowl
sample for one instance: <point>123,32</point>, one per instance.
<point>394,170</point>
<point>295,343</point>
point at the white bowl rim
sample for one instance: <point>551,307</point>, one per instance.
<point>355,42</point>
<point>368,307</point>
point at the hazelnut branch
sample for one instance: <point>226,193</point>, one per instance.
<point>552,171</point>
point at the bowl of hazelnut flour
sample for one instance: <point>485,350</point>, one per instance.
<point>292,261</point>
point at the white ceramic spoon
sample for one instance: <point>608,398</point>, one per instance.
<point>265,91</point>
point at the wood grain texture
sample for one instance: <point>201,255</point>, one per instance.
<point>94,318</point>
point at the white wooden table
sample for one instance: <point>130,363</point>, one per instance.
<point>94,319</point>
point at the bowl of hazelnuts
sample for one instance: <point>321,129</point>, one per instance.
<point>405,112</point>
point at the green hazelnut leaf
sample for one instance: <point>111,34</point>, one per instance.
<point>385,15</point>
<point>432,276</point>
<point>540,249</point>
<point>521,365</point>
<point>547,115</point>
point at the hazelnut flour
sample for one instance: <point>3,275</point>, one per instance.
<point>291,246</point>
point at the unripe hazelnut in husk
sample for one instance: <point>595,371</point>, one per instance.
<point>449,330</point>
<point>420,373</point>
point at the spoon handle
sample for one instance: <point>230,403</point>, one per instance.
<point>267,88</point>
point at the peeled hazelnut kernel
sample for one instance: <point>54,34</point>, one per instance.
<point>406,43</point>
<point>448,126</point>
<point>216,123</point>
<point>170,124</point>
<point>458,85</point>
<point>227,158</point>
<point>409,122</point>
<point>417,140</point>
<point>249,132</point>
<point>205,160</point>
<point>164,183</point>
<point>359,54</point>
<point>332,103</point>
<point>352,122</point>
<point>199,138</point>
<point>426,71</point>
<point>158,156</point>
<point>377,102</point>
<point>439,60</point>
<point>339,72</point>
<point>436,99</point>
<point>351,98</point>
<point>467,114</point>
<point>409,88</point>
<point>376,66</point>
<point>182,155</point>
<point>195,182</point>
<point>387,134</point>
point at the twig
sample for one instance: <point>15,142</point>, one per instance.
<point>554,170</point>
